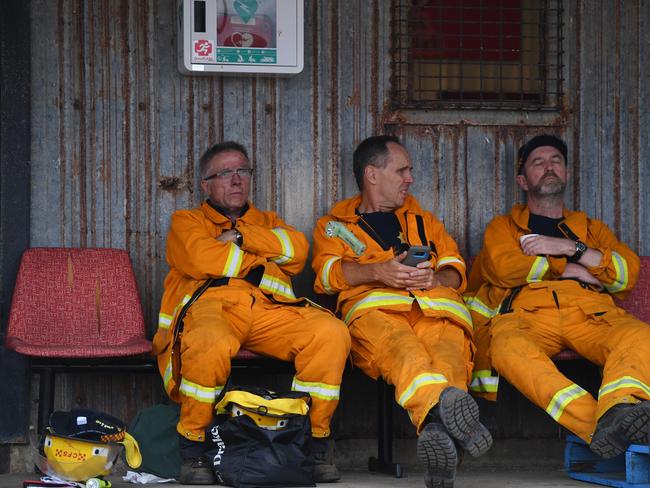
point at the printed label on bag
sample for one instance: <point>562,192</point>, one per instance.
<point>216,438</point>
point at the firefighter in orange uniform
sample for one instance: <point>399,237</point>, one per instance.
<point>228,287</point>
<point>409,324</point>
<point>544,282</point>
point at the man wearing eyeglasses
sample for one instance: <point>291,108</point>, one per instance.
<point>229,287</point>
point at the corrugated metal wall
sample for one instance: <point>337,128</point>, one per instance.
<point>117,131</point>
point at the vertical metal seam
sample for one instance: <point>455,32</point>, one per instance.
<point>315,114</point>
<point>334,103</point>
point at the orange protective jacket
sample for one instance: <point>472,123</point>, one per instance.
<point>502,267</point>
<point>354,301</point>
<point>194,255</point>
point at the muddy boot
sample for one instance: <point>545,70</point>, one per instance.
<point>622,425</point>
<point>459,413</point>
<point>437,452</point>
<point>325,470</point>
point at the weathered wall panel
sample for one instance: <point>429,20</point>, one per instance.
<point>117,131</point>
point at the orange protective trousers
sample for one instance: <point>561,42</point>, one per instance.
<point>419,355</point>
<point>227,318</point>
<point>549,317</point>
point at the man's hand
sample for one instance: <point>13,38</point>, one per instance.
<point>397,275</point>
<point>579,272</point>
<point>543,245</point>
<point>394,274</point>
<point>228,236</point>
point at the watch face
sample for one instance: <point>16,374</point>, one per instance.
<point>581,246</point>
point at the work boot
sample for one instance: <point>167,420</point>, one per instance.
<point>322,451</point>
<point>437,452</point>
<point>458,412</point>
<point>622,425</point>
<point>196,469</point>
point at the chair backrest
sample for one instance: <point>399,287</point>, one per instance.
<point>638,301</point>
<point>71,302</point>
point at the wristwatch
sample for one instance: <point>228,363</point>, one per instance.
<point>239,239</point>
<point>581,248</point>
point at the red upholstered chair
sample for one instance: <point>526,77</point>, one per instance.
<point>74,307</point>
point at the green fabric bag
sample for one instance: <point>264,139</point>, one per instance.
<point>155,430</point>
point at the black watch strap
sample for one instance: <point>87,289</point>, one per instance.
<point>581,248</point>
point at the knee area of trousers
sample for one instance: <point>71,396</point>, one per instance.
<point>506,341</point>
<point>210,341</point>
<point>333,335</point>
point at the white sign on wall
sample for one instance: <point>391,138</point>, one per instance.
<point>240,36</point>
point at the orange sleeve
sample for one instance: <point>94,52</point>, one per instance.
<point>195,253</point>
<point>618,269</point>
<point>504,264</point>
<point>326,260</point>
<point>447,251</point>
<point>279,242</point>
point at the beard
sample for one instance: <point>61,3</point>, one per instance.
<point>548,186</point>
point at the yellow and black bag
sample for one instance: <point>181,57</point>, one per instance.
<point>261,438</point>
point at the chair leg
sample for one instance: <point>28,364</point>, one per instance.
<point>45,397</point>
<point>383,463</point>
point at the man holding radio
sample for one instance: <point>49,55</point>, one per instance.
<point>229,286</point>
<point>549,277</point>
<point>399,278</point>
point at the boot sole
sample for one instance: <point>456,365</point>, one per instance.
<point>436,451</point>
<point>460,416</point>
<point>326,474</point>
<point>612,441</point>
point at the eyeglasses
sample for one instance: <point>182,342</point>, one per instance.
<point>226,174</point>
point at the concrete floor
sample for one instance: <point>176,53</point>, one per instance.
<point>363,479</point>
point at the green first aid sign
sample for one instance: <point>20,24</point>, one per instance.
<point>246,56</point>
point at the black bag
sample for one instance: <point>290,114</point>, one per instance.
<point>261,438</point>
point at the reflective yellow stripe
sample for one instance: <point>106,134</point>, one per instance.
<point>418,382</point>
<point>325,275</point>
<point>205,394</point>
<point>185,299</point>
<point>445,261</point>
<point>164,320</point>
<point>624,382</point>
<point>167,377</point>
<point>233,263</point>
<point>537,270</point>
<point>484,381</point>
<point>621,280</point>
<point>444,304</point>
<point>317,390</point>
<point>562,398</point>
<point>476,305</point>
<point>377,299</point>
<point>288,251</point>
<point>271,284</point>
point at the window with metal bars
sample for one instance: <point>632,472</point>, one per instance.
<point>470,54</point>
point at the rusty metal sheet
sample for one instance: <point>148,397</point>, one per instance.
<point>118,131</point>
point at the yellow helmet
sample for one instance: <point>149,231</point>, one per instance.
<point>83,444</point>
<point>77,460</point>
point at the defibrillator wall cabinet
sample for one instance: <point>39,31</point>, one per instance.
<point>240,36</point>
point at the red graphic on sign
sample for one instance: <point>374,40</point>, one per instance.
<point>203,47</point>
